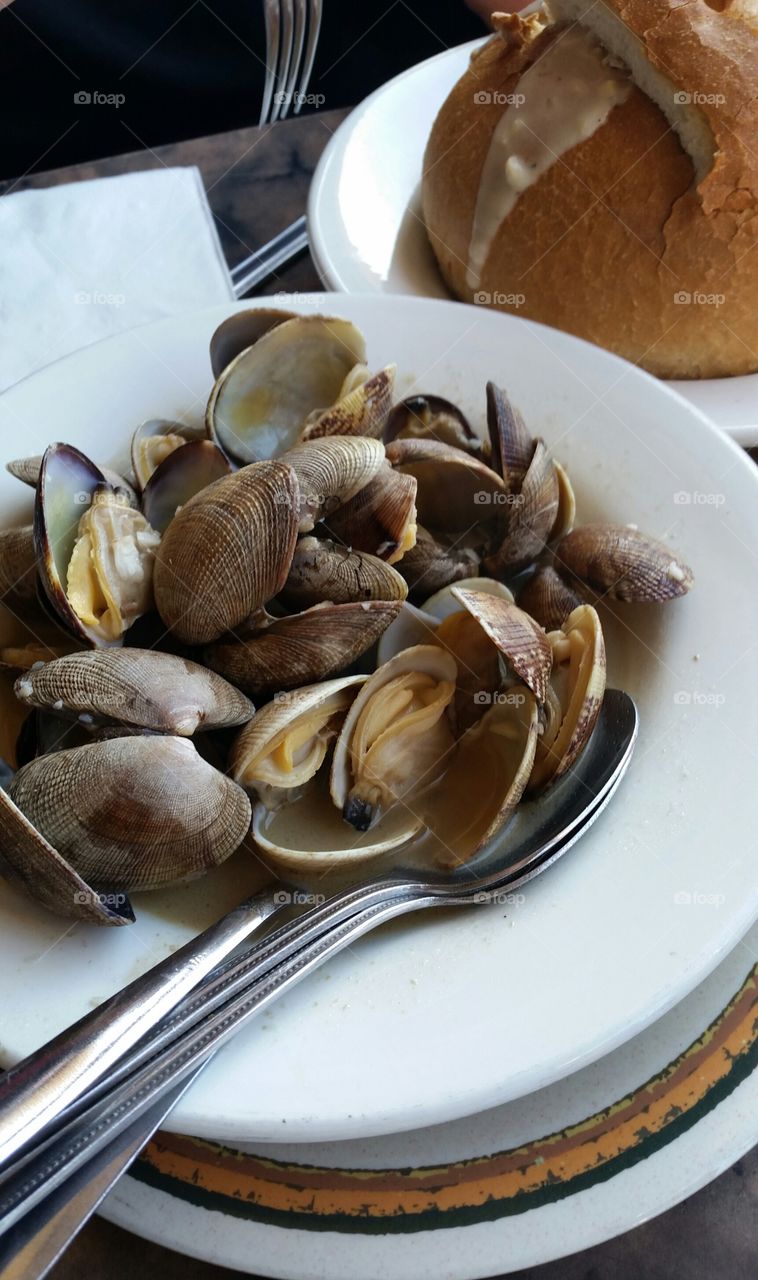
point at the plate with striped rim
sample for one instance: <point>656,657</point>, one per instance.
<point>558,1171</point>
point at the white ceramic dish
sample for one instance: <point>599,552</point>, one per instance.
<point>555,1172</point>
<point>457,1013</point>
<point>367,234</point>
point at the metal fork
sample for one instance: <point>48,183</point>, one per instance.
<point>287,72</point>
<point>292,31</point>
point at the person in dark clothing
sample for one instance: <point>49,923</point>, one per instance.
<point>82,80</point>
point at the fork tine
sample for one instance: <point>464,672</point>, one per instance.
<point>314,27</point>
<point>297,55</point>
<point>273,30</point>
<point>280,97</point>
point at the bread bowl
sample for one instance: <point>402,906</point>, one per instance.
<point>597,169</point>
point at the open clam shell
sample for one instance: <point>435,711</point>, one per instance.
<point>285,744</point>
<point>239,331</point>
<point>361,410</point>
<point>515,635</point>
<point>262,400</point>
<point>94,551</point>
<point>302,648</point>
<point>548,598</point>
<point>419,625</point>
<point>31,862</point>
<point>566,513</point>
<point>380,519</point>
<point>432,418</point>
<point>330,472</point>
<point>532,515</point>
<point>575,696</point>
<point>455,490</point>
<point>154,441</point>
<point>134,812</point>
<point>183,473</point>
<point>619,561</point>
<point>28,471</point>
<point>397,737</point>
<point>227,552</point>
<point>442,603</point>
<point>479,792</point>
<point>310,835</point>
<point>323,570</point>
<point>141,687</point>
<point>511,444</point>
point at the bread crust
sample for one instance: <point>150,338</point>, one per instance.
<point>617,242</point>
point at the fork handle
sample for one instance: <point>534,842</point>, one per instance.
<point>36,1091</point>
<point>92,1133</point>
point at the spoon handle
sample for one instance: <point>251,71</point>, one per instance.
<point>38,1089</point>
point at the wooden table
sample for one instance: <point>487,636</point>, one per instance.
<point>257,182</point>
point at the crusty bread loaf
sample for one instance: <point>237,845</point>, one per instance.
<point>642,238</point>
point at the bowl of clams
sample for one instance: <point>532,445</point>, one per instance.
<point>332,621</point>
<point>299,592</point>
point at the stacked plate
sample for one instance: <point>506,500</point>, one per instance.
<point>487,1088</point>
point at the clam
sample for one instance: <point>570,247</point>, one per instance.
<point>380,519</point>
<point>322,570</point>
<point>239,331</point>
<point>182,474</point>
<point>548,598</point>
<point>397,737</point>
<point>18,566</point>
<point>515,635</point>
<point>622,563</point>
<point>227,552</point>
<point>29,861</point>
<point>577,685</point>
<point>566,513</point>
<point>154,441</point>
<point>95,553</point>
<point>332,471</point>
<point>285,744</point>
<point>418,626</point>
<point>458,495</point>
<point>399,775</point>
<point>532,515</point>
<point>141,687</point>
<point>442,603</point>
<point>430,565</point>
<point>303,647</point>
<point>362,408</point>
<point>432,418</point>
<point>133,812</point>
<point>263,399</point>
<point>28,471</point>
<point>494,643</point>
<point>478,794</point>
<point>310,835</point>
<point>511,444</point>
<point>411,626</point>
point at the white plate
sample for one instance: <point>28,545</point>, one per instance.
<point>493,1193</point>
<point>367,234</point>
<point>460,1012</point>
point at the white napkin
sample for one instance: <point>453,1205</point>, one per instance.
<point>86,260</point>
